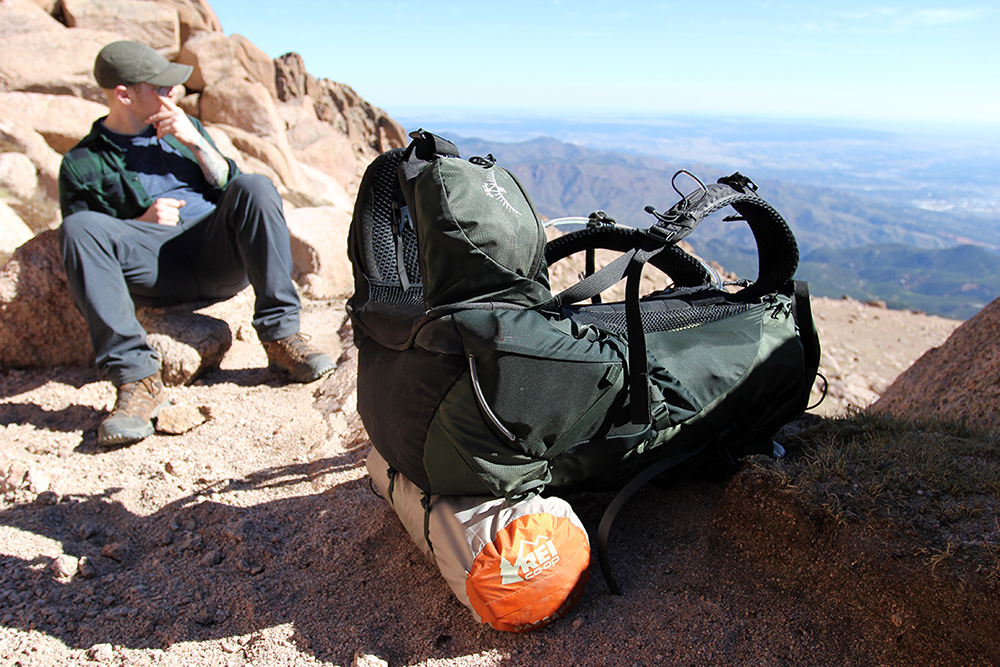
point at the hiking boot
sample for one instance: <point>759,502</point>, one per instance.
<point>295,356</point>
<point>132,418</point>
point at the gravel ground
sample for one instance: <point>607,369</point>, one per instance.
<point>255,538</point>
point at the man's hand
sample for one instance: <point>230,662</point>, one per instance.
<point>171,119</point>
<point>164,211</point>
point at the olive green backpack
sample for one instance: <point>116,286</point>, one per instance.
<point>474,379</point>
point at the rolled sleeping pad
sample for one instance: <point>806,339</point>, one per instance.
<point>517,566</point>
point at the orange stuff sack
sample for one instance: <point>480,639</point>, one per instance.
<point>516,566</point>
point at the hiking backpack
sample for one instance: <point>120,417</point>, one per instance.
<point>474,379</point>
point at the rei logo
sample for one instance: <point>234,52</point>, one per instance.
<point>532,559</point>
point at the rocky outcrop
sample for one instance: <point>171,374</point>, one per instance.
<point>329,124</point>
<point>312,137</point>
<point>958,381</point>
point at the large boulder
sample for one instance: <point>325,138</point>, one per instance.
<point>152,23</point>
<point>48,6</point>
<point>13,232</point>
<point>215,57</point>
<point>319,250</point>
<point>59,62</point>
<point>259,65</point>
<point>247,164</point>
<point>328,188</point>
<point>195,16</point>
<point>61,119</point>
<point>212,57</point>
<point>20,137</point>
<point>18,177</point>
<point>277,155</point>
<point>242,103</point>
<point>19,16</point>
<point>19,188</point>
<point>957,381</point>
<point>321,146</point>
<point>40,326</point>
<point>246,105</point>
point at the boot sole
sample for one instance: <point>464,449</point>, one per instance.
<point>305,378</point>
<point>115,436</point>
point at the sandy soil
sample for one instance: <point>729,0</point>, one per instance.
<point>255,538</point>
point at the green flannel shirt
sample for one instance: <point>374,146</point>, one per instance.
<point>95,177</point>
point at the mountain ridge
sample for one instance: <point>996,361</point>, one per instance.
<point>566,179</point>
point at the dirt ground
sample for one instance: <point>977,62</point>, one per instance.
<point>255,538</point>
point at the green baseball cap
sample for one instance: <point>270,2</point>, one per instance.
<point>128,63</point>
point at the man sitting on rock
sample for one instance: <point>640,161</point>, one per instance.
<point>153,213</point>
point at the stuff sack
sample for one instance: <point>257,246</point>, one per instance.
<point>516,566</point>
<point>493,386</point>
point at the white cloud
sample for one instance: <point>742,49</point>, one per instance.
<point>935,17</point>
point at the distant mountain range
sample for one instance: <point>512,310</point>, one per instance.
<point>853,245</point>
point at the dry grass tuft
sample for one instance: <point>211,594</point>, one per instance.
<point>936,482</point>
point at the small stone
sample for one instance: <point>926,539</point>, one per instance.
<point>362,659</point>
<point>12,478</point>
<point>65,566</point>
<point>177,419</point>
<point>897,620</point>
<point>37,481</point>
<point>115,551</point>
<point>235,531</point>
<point>86,569</point>
<point>577,624</point>
<point>47,498</point>
<point>212,558</point>
<point>167,537</point>
<point>190,541</point>
<point>101,653</point>
<point>87,531</point>
<point>205,615</point>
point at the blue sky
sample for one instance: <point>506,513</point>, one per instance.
<point>923,62</point>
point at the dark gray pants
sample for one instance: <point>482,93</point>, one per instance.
<point>112,263</point>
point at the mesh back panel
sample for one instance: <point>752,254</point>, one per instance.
<point>384,188</point>
<point>657,315</point>
<point>382,293</point>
